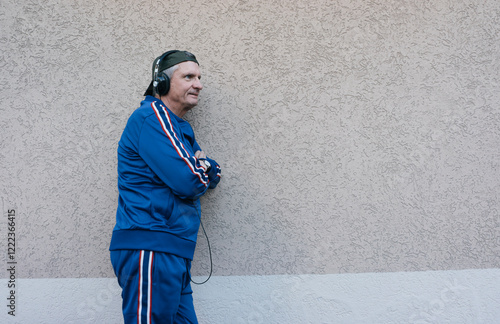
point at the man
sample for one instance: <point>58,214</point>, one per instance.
<point>162,173</point>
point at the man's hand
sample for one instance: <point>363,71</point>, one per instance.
<point>213,169</point>
<point>200,155</point>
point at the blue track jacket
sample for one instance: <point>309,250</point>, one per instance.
<point>160,182</point>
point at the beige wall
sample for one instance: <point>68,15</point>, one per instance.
<point>354,136</point>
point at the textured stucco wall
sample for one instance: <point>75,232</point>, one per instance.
<point>354,136</point>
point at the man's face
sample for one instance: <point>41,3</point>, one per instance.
<point>185,86</point>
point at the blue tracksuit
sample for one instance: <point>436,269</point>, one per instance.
<point>160,182</point>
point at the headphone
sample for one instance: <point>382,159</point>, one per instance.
<point>161,81</point>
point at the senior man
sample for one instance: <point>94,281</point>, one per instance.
<point>162,173</point>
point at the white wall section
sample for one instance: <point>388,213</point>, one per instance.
<point>466,296</point>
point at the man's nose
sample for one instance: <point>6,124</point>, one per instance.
<point>197,84</point>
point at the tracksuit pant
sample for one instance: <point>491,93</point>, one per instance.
<point>155,287</point>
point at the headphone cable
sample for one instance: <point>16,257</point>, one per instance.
<point>209,253</point>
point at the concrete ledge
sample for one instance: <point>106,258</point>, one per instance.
<point>466,296</point>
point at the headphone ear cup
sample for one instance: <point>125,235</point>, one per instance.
<point>163,84</point>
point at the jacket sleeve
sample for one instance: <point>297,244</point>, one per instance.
<point>163,151</point>
<point>215,172</point>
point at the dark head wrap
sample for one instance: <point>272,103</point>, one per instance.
<point>169,60</point>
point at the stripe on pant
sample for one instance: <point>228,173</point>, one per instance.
<point>145,287</point>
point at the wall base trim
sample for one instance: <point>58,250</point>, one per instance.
<point>464,296</point>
